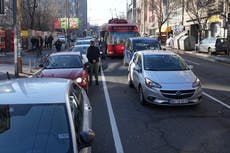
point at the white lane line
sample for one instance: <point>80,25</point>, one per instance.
<point>216,100</point>
<point>116,136</point>
<point>192,62</point>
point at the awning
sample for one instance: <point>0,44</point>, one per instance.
<point>164,28</point>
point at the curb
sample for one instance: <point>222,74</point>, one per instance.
<point>207,57</point>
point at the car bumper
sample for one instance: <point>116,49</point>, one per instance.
<point>156,97</point>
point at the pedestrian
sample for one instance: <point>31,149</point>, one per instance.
<point>33,41</point>
<point>50,40</point>
<point>58,45</point>
<point>46,42</point>
<point>40,45</point>
<point>93,55</point>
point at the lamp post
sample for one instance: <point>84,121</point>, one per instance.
<point>17,35</point>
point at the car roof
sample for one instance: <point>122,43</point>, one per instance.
<point>66,53</point>
<point>82,45</point>
<point>143,38</point>
<point>34,91</point>
<point>156,52</point>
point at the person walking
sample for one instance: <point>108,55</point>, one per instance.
<point>93,55</point>
<point>40,45</point>
<point>50,40</point>
<point>58,45</point>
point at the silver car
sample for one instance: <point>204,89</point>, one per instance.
<point>44,115</point>
<point>213,45</point>
<point>163,78</point>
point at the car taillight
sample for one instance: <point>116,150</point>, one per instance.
<point>110,47</point>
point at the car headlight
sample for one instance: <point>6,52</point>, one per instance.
<point>79,80</point>
<point>196,83</point>
<point>151,84</point>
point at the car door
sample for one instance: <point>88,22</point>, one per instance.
<point>137,70</point>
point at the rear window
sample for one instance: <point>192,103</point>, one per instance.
<point>164,63</point>
<point>31,128</point>
<point>145,45</point>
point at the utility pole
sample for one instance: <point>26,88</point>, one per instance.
<point>17,36</point>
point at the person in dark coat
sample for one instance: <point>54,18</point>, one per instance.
<point>58,45</point>
<point>93,55</point>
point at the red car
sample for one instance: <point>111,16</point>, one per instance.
<point>66,65</point>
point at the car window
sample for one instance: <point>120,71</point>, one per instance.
<point>28,128</point>
<point>135,58</point>
<point>145,45</point>
<point>64,61</point>
<point>164,63</point>
<point>81,49</point>
<point>139,61</point>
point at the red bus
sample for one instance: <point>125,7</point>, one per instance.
<point>114,34</point>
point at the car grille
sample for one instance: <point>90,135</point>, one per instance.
<point>177,94</point>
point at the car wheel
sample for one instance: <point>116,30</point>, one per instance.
<point>130,83</point>
<point>141,97</point>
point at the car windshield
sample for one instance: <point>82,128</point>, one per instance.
<point>119,38</point>
<point>164,63</point>
<point>31,128</point>
<point>81,49</point>
<point>64,61</point>
<point>146,45</point>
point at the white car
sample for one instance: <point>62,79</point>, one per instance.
<point>44,115</point>
<point>163,78</point>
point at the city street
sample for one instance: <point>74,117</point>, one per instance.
<point>153,129</point>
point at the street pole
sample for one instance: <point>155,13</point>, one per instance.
<point>17,35</point>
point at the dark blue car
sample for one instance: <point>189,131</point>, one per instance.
<point>137,44</point>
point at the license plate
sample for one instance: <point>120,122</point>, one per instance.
<point>179,101</point>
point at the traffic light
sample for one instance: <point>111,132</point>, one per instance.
<point>2,6</point>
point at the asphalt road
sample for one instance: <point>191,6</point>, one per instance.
<point>152,129</point>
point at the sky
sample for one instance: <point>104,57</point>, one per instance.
<point>100,11</point>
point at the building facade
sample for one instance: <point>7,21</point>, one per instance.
<point>210,17</point>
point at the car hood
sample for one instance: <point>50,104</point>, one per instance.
<point>171,77</point>
<point>62,73</point>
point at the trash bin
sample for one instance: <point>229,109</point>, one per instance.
<point>187,43</point>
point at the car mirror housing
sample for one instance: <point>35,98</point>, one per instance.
<point>86,138</point>
<point>190,67</point>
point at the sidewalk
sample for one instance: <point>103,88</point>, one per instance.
<point>206,56</point>
<point>30,64</point>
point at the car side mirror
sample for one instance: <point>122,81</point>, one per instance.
<point>86,66</point>
<point>86,138</point>
<point>138,69</point>
<point>190,67</point>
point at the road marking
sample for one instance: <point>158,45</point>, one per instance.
<point>216,100</point>
<point>192,62</point>
<point>116,136</point>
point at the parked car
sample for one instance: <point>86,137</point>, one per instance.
<point>163,78</point>
<point>67,65</point>
<point>45,115</point>
<point>137,44</point>
<point>213,45</point>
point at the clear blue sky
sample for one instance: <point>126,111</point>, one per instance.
<point>100,11</point>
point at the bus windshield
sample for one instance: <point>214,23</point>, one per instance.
<point>118,38</point>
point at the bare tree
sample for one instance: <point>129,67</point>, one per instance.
<point>198,12</point>
<point>163,15</point>
<point>38,14</point>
